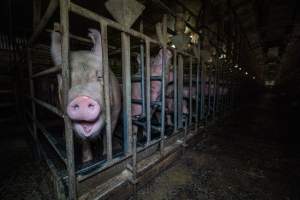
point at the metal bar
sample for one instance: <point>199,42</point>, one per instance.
<point>125,38</point>
<point>106,88</point>
<point>197,92</point>
<point>3,105</point>
<point>180,89</point>
<point>93,16</point>
<point>43,22</point>
<point>37,5</point>
<point>31,87</point>
<point>175,83</point>
<point>64,20</point>
<point>190,91</point>
<point>165,70</point>
<point>208,92</point>
<point>51,70</point>
<point>148,93</point>
<point>52,141</point>
<point>48,106</point>
<point>6,91</point>
<point>142,71</point>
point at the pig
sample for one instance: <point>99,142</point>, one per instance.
<point>170,101</point>
<point>85,106</point>
<point>155,90</point>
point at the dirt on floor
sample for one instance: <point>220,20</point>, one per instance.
<point>251,155</point>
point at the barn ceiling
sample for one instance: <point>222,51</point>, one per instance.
<point>270,28</point>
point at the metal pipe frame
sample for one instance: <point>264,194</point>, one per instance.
<point>64,6</point>
<point>180,89</point>
<point>175,83</point>
<point>106,88</point>
<point>131,149</point>
<point>148,100</point>
<point>197,93</point>
<point>33,106</point>
<point>190,91</point>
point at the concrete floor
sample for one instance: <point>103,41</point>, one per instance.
<point>254,154</point>
<point>251,155</point>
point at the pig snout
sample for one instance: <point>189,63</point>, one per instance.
<point>83,108</point>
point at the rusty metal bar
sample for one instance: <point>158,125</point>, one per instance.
<point>148,93</point>
<point>125,38</point>
<point>43,22</point>
<point>33,107</point>
<point>64,20</point>
<point>106,87</point>
<point>190,91</point>
<point>51,70</point>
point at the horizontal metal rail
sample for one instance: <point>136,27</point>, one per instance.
<point>47,106</point>
<point>43,22</point>
<point>95,17</point>
<point>52,141</point>
<point>6,91</point>
<point>55,69</point>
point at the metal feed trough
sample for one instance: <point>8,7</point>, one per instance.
<point>136,164</point>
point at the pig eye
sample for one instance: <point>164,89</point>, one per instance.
<point>91,106</point>
<point>75,107</point>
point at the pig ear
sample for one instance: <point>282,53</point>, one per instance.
<point>96,39</point>
<point>56,47</point>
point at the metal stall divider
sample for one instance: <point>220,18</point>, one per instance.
<point>197,55</point>
<point>190,91</point>
<point>75,178</point>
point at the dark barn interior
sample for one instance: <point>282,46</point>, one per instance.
<point>150,99</point>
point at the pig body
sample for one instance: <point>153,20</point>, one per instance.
<point>155,88</point>
<point>85,106</point>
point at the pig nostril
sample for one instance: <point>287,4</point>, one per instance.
<point>91,106</point>
<point>75,107</point>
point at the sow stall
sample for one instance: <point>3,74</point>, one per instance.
<point>134,162</point>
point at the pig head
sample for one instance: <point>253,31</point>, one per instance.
<point>85,106</point>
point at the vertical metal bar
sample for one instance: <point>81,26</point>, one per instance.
<point>179,89</point>
<point>165,70</point>
<point>126,89</point>
<point>148,87</point>
<point>197,93</point>
<point>209,93</point>
<point>215,91</point>
<point>175,84</point>
<point>163,91</point>
<point>37,8</point>
<point>64,21</point>
<point>203,83</point>
<point>106,87</point>
<point>142,70</point>
<point>31,87</point>
<point>222,81</point>
<point>190,91</point>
